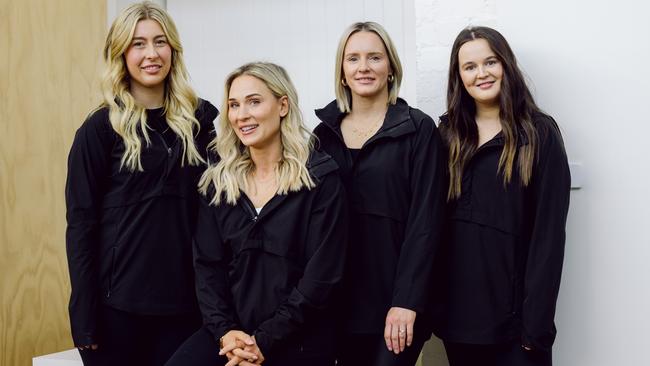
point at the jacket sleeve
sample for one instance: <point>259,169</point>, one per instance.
<point>211,260</point>
<point>412,283</point>
<point>325,250</point>
<point>88,171</point>
<point>551,184</point>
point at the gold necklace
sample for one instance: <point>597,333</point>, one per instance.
<point>365,134</point>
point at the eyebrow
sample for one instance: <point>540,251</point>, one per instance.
<point>485,59</point>
<point>246,97</point>
<point>144,38</point>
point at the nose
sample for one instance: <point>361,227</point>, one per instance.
<point>363,65</point>
<point>242,113</point>
<point>150,51</point>
<point>482,72</point>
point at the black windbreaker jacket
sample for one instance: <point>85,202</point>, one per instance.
<point>129,234</point>
<point>396,193</point>
<point>273,274</point>
<point>504,246</point>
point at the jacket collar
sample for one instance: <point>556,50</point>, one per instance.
<point>498,140</point>
<point>394,122</point>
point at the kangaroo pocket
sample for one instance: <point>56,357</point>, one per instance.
<point>263,273</point>
<point>481,278</point>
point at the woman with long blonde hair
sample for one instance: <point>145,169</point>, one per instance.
<point>270,239</point>
<point>131,198</point>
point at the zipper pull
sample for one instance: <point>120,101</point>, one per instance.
<point>169,152</point>
<point>255,218</point>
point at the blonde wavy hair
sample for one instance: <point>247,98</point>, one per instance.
<point>229,175</point>
<point>343,93</point>
<point>129,120</point>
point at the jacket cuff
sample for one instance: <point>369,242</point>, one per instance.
<point>264,342</point>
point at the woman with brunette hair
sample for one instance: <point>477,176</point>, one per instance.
<point>390,157</point>
<point>131,198</point>
<point>270,242</point>
<point>509,195</point>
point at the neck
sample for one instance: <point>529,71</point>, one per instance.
<point>266,158</point>
<point>370,106</point>
<point>149,98</point>
<point>486,112</point>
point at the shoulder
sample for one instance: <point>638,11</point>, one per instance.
<point>206,112</point>
<point>97,125</point>
<point>321,165</point>
<point>547,128</point>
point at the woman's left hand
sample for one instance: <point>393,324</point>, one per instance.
<point>398,332</point>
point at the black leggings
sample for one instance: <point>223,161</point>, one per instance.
<point>370,350</point>
<point>202,349</point>
<point>134,339</point>
<point>511,354</point>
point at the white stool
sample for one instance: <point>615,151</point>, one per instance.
<point>66,358</point>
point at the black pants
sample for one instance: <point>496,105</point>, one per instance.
<point>370,350</point>
<point>202,349</point>
<point>461,354</point>
<point>133,339</point>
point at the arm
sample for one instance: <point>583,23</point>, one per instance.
<point>211,258</point>
<point>424,222</point>
<point>88,169</point>
<point>326,249</point>
<point>550,186</point>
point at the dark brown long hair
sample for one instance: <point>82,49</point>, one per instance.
<point>516,108</point>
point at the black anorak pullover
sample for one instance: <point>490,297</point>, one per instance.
<point>396,192</point>
<point>129,234</point>
<point>504,246</point>
<point>273,274</point>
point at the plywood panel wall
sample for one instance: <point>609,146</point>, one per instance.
<point>49,71</point>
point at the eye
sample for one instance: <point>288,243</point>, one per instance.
<point>138,44</point>
<point>469,67</point>
<point>352,59</point>
<point>161,42</point>
<point>492,62</point>
<point>254,102</point>
<point>233,105</point>
<point>375,58</point>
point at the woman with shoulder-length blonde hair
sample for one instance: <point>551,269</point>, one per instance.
<point>270,241</point>
<point>131,198</point>
<point>390,158</point>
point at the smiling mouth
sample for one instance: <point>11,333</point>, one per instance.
<point>485,85</point>
<point>152,68</point>
<point>365,79</point>
<point>248,129</point>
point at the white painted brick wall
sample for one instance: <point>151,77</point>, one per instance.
<point>437,22</point>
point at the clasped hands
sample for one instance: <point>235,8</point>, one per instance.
<point>240,349</point>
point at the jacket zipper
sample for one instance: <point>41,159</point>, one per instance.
<point>249,208</point>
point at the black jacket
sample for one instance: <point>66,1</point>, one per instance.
<point>129,234</point>
<point>396,192</point>
<point>505,246</point>
<point>273,275</point>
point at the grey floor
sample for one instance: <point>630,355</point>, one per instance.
<point>433,353</point>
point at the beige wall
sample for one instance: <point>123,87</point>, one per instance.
<point>49,66</point>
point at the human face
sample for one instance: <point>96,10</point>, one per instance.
<point>255,113</point>
<point>149,56</point>
<point>366,65</point>
<point>481,71</point>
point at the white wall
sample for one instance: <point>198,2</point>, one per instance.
<point>302,36</point>
<point>588,61</point>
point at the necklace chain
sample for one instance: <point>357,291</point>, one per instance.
<point>365,133</point>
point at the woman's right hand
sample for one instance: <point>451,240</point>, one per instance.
<point>235,345</point>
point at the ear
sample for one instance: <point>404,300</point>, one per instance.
<point>284,106</point>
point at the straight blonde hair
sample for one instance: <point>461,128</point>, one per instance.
<point>343,93</point>
<point>229,175</point>
<point>128,119</point>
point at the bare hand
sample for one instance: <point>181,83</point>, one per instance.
<point>233,346</point>
<point>398,332</point>
<point>88,346</point>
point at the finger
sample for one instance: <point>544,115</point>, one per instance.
<point>245,355</point>
<point>234,361</point>
<point>94,346</point>
<point>241,336</point>
<point>246,363</point>
<point>401,334</point>
<point>409,333</point>
<point>227,348</point>
<point>387,330</point>
<point>394,337</point>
